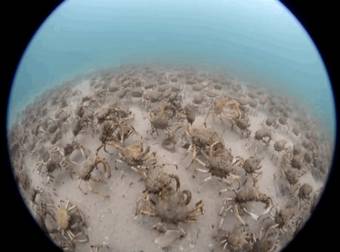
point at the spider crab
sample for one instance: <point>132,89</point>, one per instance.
<point>225,107</point>
<point>86,166</point>
<point>237,203</point>
<point>219,163</point>
<point>157,181</point>
<point>136,156</point>
<point>69,223</point>
<point>251,166</point>
<point>160,118</point>
<point>114,133</point>
<point>171,206</point>
<point>238,240</point>
<point>200,140</point>
<point>114,113</point>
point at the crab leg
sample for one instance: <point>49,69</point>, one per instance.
<point>207,178</point>
<point>254,216</point>
<point>238,216</point>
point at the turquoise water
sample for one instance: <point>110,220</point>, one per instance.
<point>256,40</point>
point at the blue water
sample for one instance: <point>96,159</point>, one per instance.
<point>256,40</point>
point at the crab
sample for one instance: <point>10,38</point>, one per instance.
<point>238,240</point>
<point>71,147</point>
<point>114,113</point>
<point>170,141</point>
<point>82,123</point>
<point>23,180</point>
<point>263,135</point>
<point>69,223</point>
<point>305,191</point>
<point>225,108</point>
<point>280,145</point>
<point>271,122</point>
<point>251,166</point>
<point>160,118</point>
<point>282,220</point>
<point>86,168</point>
<point>171,207</point>
<point>302,194</point>
<point>138,158</point>
<point>157,181</point>
<point>100,248</point>
<point>115,132</point>
<point>267,240</point>
<point>151,96</point>
<point>219,163</point>
<point>237,204</point>
<point>242,124</point>
<point>201,139</point>
<point>54,162</point>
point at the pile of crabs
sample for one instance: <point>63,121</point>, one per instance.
<point>105,116</point>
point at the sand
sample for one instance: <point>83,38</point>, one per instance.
<point>110,213</point>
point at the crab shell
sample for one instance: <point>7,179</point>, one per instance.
<point>251,164</point>
<point>63,218</point>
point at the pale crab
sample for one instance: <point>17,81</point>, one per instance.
<point>219,163</point>
<point>136,156</point>
<point>242,125</point>
<point>267,240</point>
<point>225,107</point>
<point>240,239</point>
<point>171,207</point>
<point>200,138</point>
<point>237,203</point>
<point>251,166</point>
<point>160,118</point>
<point>69,222</point>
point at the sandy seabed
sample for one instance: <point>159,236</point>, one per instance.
<point>275,161</point>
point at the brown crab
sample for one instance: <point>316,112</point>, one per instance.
<point>157,181</point>
<point>267,240</point>
<point>242,124</point>
<point>160,118</point>
<point>251,166</point>
<point>219,163</point>
<point>100,248</point>
<point>171,207</point>
<point>237,204</point>
<point>115,132</point>
<point>190,113</point>
<point>240,239</point>
<point>85,170</point>
<point>263,135</point>
<point>114,113</point>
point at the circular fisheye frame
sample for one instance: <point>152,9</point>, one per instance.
<point>179,125</point>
